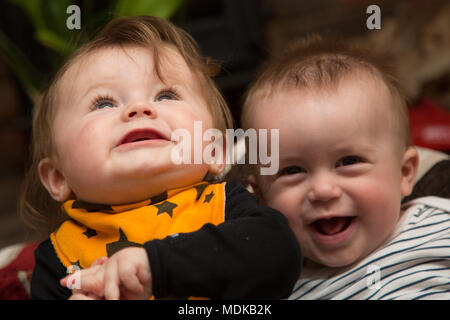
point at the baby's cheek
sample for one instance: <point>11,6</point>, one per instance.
<point>82,153</point>
<point>287,206</point>
<point>378,207</point>
<point>275,199</point>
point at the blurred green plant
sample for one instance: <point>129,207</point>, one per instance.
<point>49,21</point>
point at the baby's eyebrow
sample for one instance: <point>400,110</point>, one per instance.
<point>355,147</point>
<point>179,85</point>
<point>98,85</point>
<point>289,159</point>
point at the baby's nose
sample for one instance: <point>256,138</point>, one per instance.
<point>135,113</point>
<point>323,189</point>
<point>139,109</point>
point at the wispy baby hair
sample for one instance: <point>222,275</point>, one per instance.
<point>36,206</point>
<point>318,63</point>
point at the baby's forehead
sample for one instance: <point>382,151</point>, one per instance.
<point>169,60</point>
<point>360,82</point>
<point>356,99</point>
<point>110,63</point>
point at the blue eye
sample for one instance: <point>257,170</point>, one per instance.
<point>103,103</point>
<point>292,170</point>
<point>348,161</point>
<point>166,95</point>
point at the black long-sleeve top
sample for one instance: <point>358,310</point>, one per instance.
<point>252,255</point>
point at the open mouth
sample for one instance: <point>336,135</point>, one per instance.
<point>332,226</point>
<point>142,135</point>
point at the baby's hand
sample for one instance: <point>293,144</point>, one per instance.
<point>92,282</point>
<point>126,275</point>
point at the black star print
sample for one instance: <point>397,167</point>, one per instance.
<point>158,198</point>
<point>200,188</point>
<point>91,207</point>
<point>208,197</point>
<point>90,233</point>
<point>166,207</point>
<point>122,243</point>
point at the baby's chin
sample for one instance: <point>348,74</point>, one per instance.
<point>332,261</point>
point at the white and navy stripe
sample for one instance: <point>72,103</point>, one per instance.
<point>413,264</point>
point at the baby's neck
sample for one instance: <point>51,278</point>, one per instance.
<point>152,198</point>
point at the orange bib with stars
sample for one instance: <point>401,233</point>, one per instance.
<point>94,231</point>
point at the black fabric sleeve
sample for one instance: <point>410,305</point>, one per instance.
<point>47,272</point>
<point>252,255</point>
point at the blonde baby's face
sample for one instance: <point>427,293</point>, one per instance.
<point>342,171</point>
<point>113,126</point>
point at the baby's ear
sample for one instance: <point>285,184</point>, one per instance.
<point>216,168</point>
<point>217,154</point>
<point>410,164</point>
<point>53,180</point>
<point>256,190</point>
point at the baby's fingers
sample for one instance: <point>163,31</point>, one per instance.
<point>91,283</point>
<point>145,279</point>
<point>71,281</point>
<point>131,286</point>
<point>99,261</point>
<point>91,277</point>
<point>112,291</point>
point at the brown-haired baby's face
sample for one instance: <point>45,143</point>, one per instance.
<point>340,180</point>
<point>114,123</point>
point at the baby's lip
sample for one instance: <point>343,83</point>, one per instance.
<point>333,232</point>
<point>327,216</point>
<point>143,134</point>
<point>331,226</point>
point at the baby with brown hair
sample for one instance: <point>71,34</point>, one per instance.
<point>346,161</point>
<point>103,138</point>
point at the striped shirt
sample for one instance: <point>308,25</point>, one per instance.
<point>413,264</point>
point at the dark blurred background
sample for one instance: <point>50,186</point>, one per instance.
<point>414,34</point>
